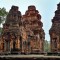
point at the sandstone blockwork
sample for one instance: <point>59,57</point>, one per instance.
<point>23,33</point>
<point>55,31</point>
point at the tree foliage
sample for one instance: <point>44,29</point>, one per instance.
<point>3,14</point>
<point>3,11</point>
<point>47,46</point>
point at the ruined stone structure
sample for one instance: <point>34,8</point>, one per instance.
<point>33,27</point>
<point>11,30</point>
<point>55,31</point>
<point>23,33</point>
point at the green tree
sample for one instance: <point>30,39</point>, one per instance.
<point>3,14</point>
<point>47,46</point>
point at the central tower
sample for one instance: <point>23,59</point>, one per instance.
<point>33,28</point>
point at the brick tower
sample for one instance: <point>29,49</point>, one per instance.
<point>11,30</point>
<point>55,31</point>
<point>35,35</point>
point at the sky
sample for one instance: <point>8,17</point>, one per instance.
<point>46,9</point>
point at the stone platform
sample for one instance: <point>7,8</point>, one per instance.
<point>28,57</point>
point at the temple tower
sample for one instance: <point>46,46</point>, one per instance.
<point>55,31</point>
<point>35,35</point>
<point>11,30</point>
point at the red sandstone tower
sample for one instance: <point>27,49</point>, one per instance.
<point>33,27</point>
<point>11,30</point>
<point>55,31</point>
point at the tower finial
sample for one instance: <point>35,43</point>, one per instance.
<point>58,4</point>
